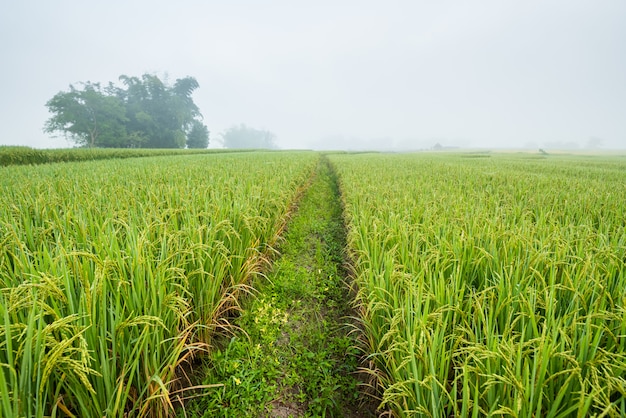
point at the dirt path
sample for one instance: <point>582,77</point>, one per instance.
<point>294,355</point>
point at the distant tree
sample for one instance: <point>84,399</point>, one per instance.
<point>144,112</point>
<point>158,113</point>
<point>242,136</point>
<point>198,136</point>
<point>89,116</point>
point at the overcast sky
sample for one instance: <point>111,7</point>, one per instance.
<point>337,74</point>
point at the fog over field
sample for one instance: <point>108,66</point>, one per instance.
<point>393,75</point>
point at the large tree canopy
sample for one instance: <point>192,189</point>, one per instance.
<point>90,116</point>
<point>242,136</point>
<point>143,112</point>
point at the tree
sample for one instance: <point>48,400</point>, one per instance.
<point>242,136</point>
<point>143,112</point>
<point>89,117</point>
<point>198,136</point>
<point>157,112</point>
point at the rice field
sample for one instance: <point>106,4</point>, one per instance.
<point>19,155</point>
<point>113,272</point>
<point>491,286</point>
<point>487,284</point>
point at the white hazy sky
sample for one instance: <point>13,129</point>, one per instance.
<point>337,74</point>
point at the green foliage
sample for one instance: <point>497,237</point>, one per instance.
<point>108,282</point>
<point>242,136</point>
<point>145,113</point>
<point>295,352</point>
<point>91,117</point>
<point>198,136</point>
<point>16,155</point>
<point>491,286</point>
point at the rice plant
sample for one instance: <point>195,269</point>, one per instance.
<point>114,272</point>
<point>491,286</point>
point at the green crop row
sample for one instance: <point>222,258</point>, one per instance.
<point>18,155</point>
<point>493,286</point>
<point>113,273</point>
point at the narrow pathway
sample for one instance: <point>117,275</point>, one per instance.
<point>293,355</point>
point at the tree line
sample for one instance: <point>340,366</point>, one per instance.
<point>142,112</point>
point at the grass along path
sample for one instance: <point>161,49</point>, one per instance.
<point>293,355</point>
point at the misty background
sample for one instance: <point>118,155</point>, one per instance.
<point>393,75</point>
